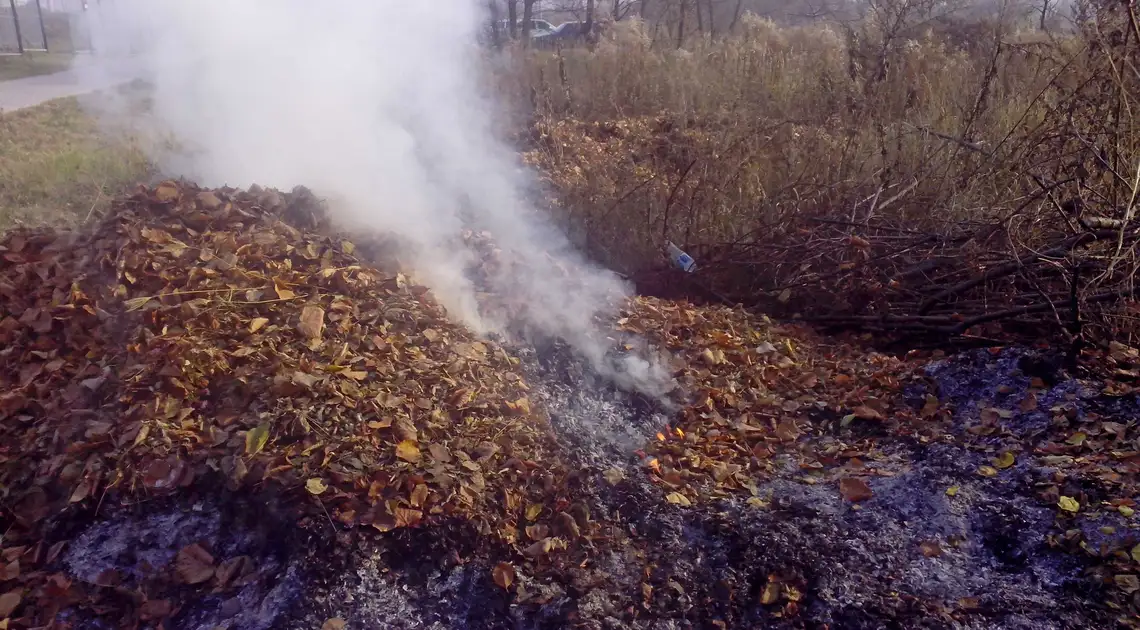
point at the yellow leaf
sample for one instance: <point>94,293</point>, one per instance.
<point>504,575</point>
<point>1135,553</point>
<point>614,476</point>
<point>257,323</point>
<point>1127,583</point>
<point>678,499</point>
<point>282,292</point>
<point>1004,460</point>
<point>532,511</point>
<point>987,471</point>
<point>409,451</point>
<point>952,491</point>
<point>1069,504</point>
<point>316,486</point>
<point>771,593</point>
<point>1077,439</point>
<point>137,303</point>
<point>256,438</point>
<point>1126,511</point>
<point>347,247</point>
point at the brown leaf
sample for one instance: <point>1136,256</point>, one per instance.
<point>10,571</point>
<point>229,570</point>
<point>864,412</point>
<point>407,518</point>
<point>336,623</point>
<point>1029,403</point>
<point>504,575</point>
<point>10,601</point>
<point>257,323</point>
<point>312,323</point>
<point>194,564</point>
<point>854,489</point>
<point>155,609</point>
<point>439,453</point>
<point>419,495</point>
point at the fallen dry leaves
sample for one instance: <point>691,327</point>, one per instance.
<point>198,334</point>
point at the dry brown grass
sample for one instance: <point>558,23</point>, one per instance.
<point>764,153</point>
<point>58,167</point>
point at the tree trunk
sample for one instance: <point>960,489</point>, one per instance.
<point>617,10</point>
<point>681,23</point>
<point>496,28</point>
<point>589,28</point>
<point>528,13</point>
<point>644,8</point>
<point>513,18</point>
<point>711,16</point>
<point>700,18</point>
<point>736,15</point>
<point>1045,14</point>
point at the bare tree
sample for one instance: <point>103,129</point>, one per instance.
<point>513,17</point>
<point>528,13</point>
<point>1046,11</point>
<point>589,27</point>
<point>736,14</point>
<point>684,8</point>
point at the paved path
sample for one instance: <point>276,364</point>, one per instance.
<point>80,79</point>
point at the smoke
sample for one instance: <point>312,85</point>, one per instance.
<point>377,106</point>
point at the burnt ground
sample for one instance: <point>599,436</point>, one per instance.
<point>796,555</point>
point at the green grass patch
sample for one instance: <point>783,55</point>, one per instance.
<point>57,167</point>
<point>32,64</point>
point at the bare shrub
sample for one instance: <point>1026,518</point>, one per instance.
<point>856,173</point>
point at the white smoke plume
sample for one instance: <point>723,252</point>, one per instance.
<point>375,105</point>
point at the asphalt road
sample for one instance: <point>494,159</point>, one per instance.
<point>81,78</point>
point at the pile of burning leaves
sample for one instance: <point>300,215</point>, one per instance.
<point>227,339</point>
<point>197,334</point>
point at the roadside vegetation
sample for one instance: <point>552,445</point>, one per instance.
<point>916,170</point>
<point>32,64</point>
<point>58,167</point>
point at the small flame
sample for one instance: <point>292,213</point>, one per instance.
<point>680,433</point>
<point>655,465</point>
<point>661,436</point>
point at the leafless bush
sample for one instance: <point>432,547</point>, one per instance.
<point>908,171</point>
